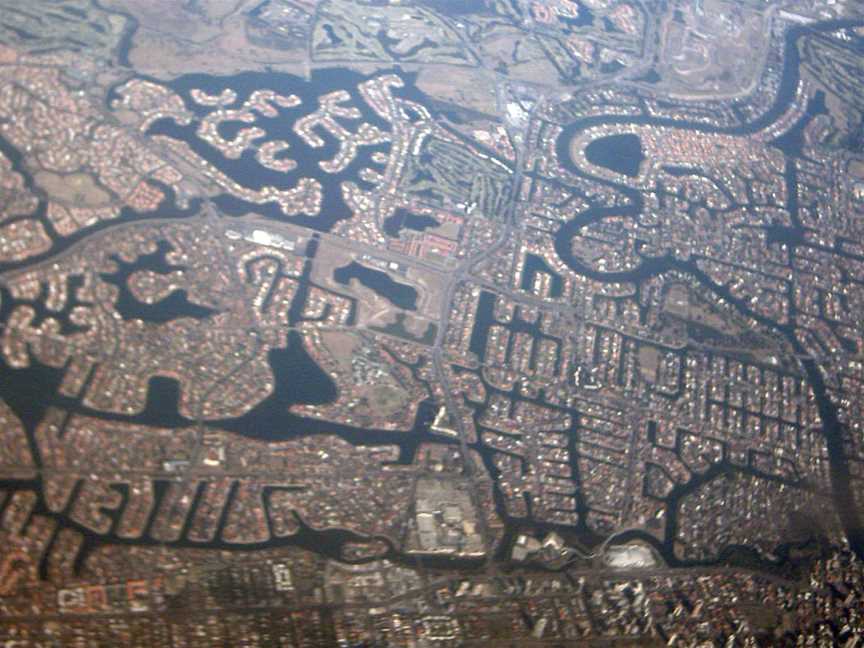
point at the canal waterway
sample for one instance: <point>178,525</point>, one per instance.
<point>790,144</point>
<point>298,379</point>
